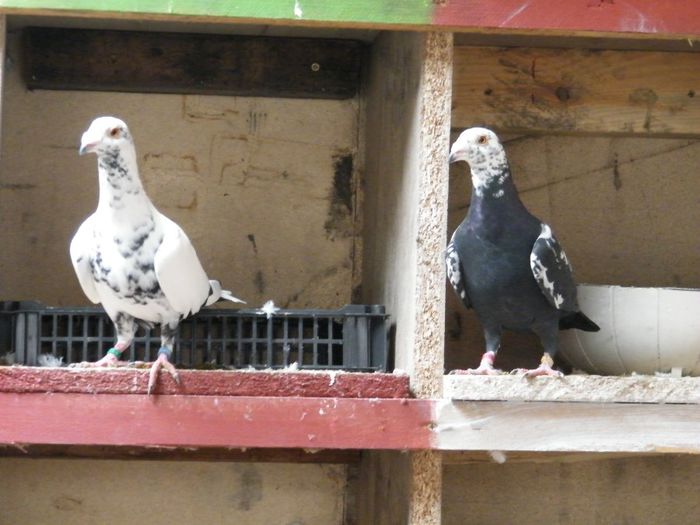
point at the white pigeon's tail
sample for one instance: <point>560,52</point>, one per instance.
<point>217,294</point>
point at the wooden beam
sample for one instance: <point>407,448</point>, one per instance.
<point>575,90</point>
<point>267,455</point>
<point>148,62</point>
<point>214,421</point>
<point>34,380</point>
<point>631,18</point>
<point>407,134</point>
<point>471,457</point>
<point>574,388</point>
<point>506,426</point>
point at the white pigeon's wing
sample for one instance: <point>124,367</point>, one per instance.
<point>552,271</point>
<point>455,274</point>
<point>80,255</point>
<point>178,270</point>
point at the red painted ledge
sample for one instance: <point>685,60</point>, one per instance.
<point>20,379</point>
<point>121,420</point>
<point>209,410</point>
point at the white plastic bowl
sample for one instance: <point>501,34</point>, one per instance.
<point>642,330</point>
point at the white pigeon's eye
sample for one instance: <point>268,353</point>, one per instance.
<point>483,139</point>
<point>115,132</point>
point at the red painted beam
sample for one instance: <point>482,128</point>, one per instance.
<point>657,17</point>
<point>214,421</point>
<point>204,383</point>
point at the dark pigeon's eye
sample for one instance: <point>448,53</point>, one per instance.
<point>483,139</point>
<point>114,133</point>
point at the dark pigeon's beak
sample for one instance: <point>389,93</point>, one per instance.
<point>87,148</point>
<point>453,158</point>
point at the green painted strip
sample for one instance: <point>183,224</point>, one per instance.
<point>393,12</point>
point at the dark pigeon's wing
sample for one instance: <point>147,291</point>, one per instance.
<point>455,274</point>
<point>552,271</point>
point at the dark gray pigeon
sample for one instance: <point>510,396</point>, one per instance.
<point>131,258</point>
<point>505,263</point>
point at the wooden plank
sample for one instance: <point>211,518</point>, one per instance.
<point>406,136</point>
<point>21,379</point>
<point>472,457</point>
<point>149,62</point>
<point>568,427</point>
<point>574,388</point>
<point>214,421</point>
<point>638,17</point>
<point>574,90</point>
<point>632,18</point>
<point>347,13</point>
<point>266,455</point>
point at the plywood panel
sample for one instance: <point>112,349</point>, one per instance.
<point>577,90</point>
<point>659,490</point>
<point>625,209</point>
<point>265,188</point>
<point>405,192</point>
<point>407,129</point>
<point>52,491</point>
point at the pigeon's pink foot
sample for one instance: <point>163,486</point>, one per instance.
<point>161,362</point>
<point>482,370</point>
<point>545,369</point>
<point>485,367</point>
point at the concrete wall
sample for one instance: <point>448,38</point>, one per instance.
<point>59,491</point>
<point>626,211</point>
<point>659,490</point>
<point>262,186</point>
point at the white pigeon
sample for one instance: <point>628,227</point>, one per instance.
<point>131,258</point>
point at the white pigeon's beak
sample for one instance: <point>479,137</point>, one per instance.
<point>456,156</point>
<point>87,148</point>
<point>87,144</point>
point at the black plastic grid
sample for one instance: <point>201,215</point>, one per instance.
<point>351,338</point>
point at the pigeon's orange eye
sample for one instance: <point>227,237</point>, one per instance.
<point>114,132</point>
<point>483,139</point>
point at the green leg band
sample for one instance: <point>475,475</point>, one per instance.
<point>115,352</point>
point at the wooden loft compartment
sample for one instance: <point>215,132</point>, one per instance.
<point>400,121</point>
<point>405,88</point>
<point>419,67</point>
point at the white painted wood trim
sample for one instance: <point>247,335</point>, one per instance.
<point>567,427</point>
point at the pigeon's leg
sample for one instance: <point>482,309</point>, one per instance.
<point>493,344</point>
<point>548,336</point>
<point>111,358</point>
<point>167,337</point>
<point>125,326</point>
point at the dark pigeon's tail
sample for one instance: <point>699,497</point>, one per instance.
<point>578,320</point>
